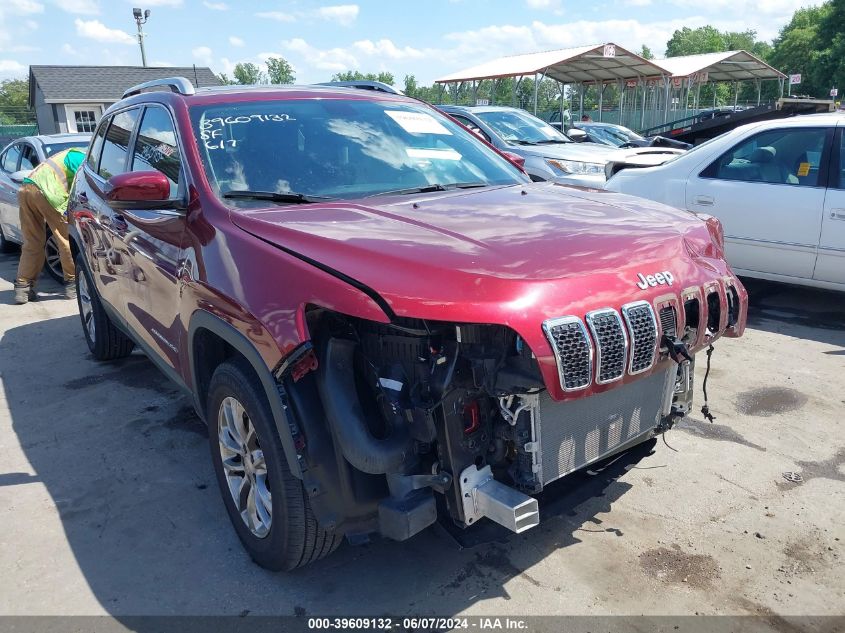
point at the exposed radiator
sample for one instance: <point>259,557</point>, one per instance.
<point>576,433</point>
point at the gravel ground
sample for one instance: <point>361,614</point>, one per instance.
<point>108,504</point>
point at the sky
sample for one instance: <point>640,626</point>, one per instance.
<point>425,38</point>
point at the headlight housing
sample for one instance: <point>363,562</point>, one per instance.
<point>576,167</point>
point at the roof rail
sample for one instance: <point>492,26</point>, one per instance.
<point>179,85</point>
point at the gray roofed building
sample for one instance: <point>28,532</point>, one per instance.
<point>73,98</point>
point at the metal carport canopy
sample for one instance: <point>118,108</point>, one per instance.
<point>585,64</point>
<point>727,66</point>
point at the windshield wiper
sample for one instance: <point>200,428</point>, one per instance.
<point>552,140</point>
<point>430,188</point>
<point>289,197</point>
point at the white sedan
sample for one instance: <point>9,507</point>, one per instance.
<point>777,186</point>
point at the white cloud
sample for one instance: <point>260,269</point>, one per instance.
<point>386,48</point>
<point>203,54</point>
<point>23,7</point>
<point>162,64</point>
<point>234,40</point>
<point>334,59</point>
<point>543,4</point>
<point>216,6</point>
<point>96,30</point>
<point>158,3</point>
<point>638,3</point>
<point>79,7</point>
<point>11,68</point>
<point>279,16</point>
<point>343,14</point>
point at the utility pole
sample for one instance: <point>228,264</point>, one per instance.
<point>141,18</point>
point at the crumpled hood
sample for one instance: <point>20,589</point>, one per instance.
<point>594,152</point>
<point>493,246</point>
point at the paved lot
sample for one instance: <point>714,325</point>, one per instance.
<point>108,502</point>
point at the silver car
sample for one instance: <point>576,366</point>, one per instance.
<point>16,161</point>
<point>549,154</point>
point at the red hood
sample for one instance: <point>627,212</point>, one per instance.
<point>500,255</point>
<point>461,245</point>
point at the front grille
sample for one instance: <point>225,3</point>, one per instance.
<point>573,351</point>
<point>575,433</point>
<point>668,321</point>
<point>611,344</point>
<point>642,332</point>
<point>714,311</point>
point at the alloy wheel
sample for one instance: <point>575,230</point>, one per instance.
<point>244,467</point>
<point>86,307</point>
<point>54,260</point>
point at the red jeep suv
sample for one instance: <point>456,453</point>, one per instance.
<point>382,320</point>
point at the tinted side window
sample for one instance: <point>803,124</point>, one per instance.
<point>29,157</point>
<point>156,147</point>
<point>839,152</point>
<point>115,147</point>
<point>10,158</point>
<point>97,144</point>
<point>789,156</point>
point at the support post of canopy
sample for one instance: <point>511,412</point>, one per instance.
<point>644,86</point>
<point>474,92</point>
<point>621,83</point>
<point>736,93</point>
<point>581,101</point>
<point>536,86</point>
<point>601,99</point>
<point>780,82</point>
<point>715,90</point>
<point>561,87</point>
<point>759,89</point>
<point>697,96</point>
<point>666,81</point>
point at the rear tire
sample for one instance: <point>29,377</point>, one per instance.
<point>105,341</point>
<point>287,536</point>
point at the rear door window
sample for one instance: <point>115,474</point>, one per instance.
<point>156,147</point>
<point>29,157</point>
<point>116,143</point>
<point>97,144</point>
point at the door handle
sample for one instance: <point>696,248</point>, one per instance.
<point>705,201</point>
<point>837,214</point>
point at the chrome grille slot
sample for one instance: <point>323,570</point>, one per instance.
<point>733,306</point>
<point>611,344</point>
<point>642,333</point>
<point>573,351</point>
<point>669,321</point>
<point>714,311</point>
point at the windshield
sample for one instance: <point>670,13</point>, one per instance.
<point>334,148</point>
<point>521,128</point>
<point>612,135</point>
<point>55,148</point>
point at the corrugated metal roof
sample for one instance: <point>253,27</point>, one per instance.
<point>587,64</point>
<point>568,65</point>
<point>106,83</point>
<point>727,66</point>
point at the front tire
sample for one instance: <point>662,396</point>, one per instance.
<point>267,505</point>
<point>104,340</point>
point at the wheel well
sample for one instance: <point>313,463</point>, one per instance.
<point>210,351</point>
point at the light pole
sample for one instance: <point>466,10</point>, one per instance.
<point>141,18</point>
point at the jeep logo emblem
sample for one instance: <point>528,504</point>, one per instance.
<point>658,279</point>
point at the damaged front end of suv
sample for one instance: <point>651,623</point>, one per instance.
<point>401,422</point>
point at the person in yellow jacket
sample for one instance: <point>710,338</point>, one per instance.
<point>43,200</point>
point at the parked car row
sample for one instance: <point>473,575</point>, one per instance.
<point>372,309</point>
<point>548,153</point>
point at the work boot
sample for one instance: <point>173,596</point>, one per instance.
<point>70,290</point>
<point>24,293</point>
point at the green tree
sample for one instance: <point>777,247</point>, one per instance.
<point>687,41</point>
<point>796,50</point>
<point>225,79</point>
<point>832,58</point>
<point>247,73</point>
<point>279,71</point>
<point>14,102</point>
<point>357,75</point>
<point>645,52</point>
<point>411,88</point>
